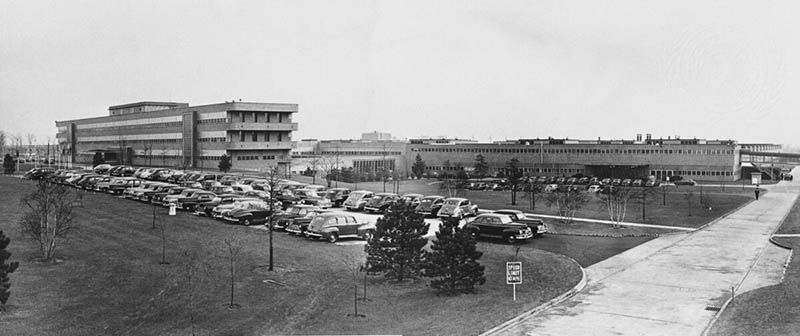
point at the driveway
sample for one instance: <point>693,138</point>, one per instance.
<point>673,285</point>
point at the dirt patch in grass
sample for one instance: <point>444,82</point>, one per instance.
<point>111,281</point>
<point>772,310</point>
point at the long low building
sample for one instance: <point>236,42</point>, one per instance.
<point>253,135</point>
<point>700,159</point>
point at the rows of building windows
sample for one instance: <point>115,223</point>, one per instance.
<point>356,153</point>
<point>373,165</point>
<point>254,157</point>
<point>223,139</point>
<point>260,115</point>
<point>525,170</point>
<point>212,158</point>
<point>577,150</point>
<point>213,121</point>
<point>253,136</point>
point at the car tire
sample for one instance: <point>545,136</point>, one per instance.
<point>474,235</point>
<point>368,235</point>
<point>511,239</point>
<point>333,237</point>
<point>247,222</point>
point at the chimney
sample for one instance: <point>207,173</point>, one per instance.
<point>649,136</point>
<point>638,137</point>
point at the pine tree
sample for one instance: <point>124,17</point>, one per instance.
<point>224,163</point>
<point>8,164</point>
<point>453,260</point>
<point>98,159</point>
<point>418,168</point>
<point>6,268</point>
<point>481,168</point>
<point>396,247</point>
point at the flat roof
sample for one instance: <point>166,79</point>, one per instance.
<point>147,103</point>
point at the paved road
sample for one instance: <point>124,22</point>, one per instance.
<point>665,286</point>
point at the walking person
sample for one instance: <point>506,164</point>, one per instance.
<point>757,191</point>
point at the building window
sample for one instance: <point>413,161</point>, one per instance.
<point>254,137</point>
<point>280,118</point>
<point>241,136</point>
<point>280,136</point>
<point>241,116</point>
<point>255,117</point>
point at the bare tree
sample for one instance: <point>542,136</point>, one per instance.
<point>273,177</point>
<point>615,201</point>
<point>50,216</point>
<point>31,143</point>
<point>688,196</point>
<point>328,165</point>
<point>232,247</point>
<point>164,155</point>
<point>2,143</point>
<point>567,203</point>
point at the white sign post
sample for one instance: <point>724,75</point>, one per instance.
<point>172,207</point>
<point>514,275</point>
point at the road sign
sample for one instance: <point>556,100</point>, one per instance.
<point>172,207</point>
<point>514,275</point>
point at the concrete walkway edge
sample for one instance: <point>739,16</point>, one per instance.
<point>729,300</point>
<point>552,302</point>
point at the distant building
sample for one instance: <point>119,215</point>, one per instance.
<point>254,135</point>
<point>376,136</point>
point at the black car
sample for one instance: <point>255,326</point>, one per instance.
<point>337,196</point>
<point>498,226</point>
<point>538,227</point>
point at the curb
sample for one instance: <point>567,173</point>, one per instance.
<point>538,309</point>
<point>774,242</point>
<point>630,235</point>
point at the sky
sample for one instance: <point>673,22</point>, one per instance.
<point>484,70</point>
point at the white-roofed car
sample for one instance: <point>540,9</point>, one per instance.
<point>457,207</point>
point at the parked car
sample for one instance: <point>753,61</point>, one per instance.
<point>625,182</point>
<point>281,221</point>
<point>651,183</point>
<point>637,183</point>
<point>606,181</point>
<point>357,200</point>
<point>538,227</point>
<point>456,207</point>
<point>220,211</point>
<point>255,212</point>
<point>616,182</point>
<point>498,226</point>
<point>381,202</point>
<point>205,208</point>
<point>185,193</point>
<point>220,189</point>
<point>594,188</point>
<point>412,199</point>
<point>551,188</point>
<point>191,202</point>
<point>158,198</point>
<point>310,196</point>
<point>685,181</point>
<point>430,205</point>
<point>788,177</point>
<point>333,225</point>
<point>337,196</point>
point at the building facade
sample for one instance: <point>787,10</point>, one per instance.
<point>253,135</point>
<point>700,159</point>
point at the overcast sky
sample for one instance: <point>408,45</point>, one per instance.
<point>488,70</point>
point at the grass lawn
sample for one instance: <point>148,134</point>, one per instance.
<point>110,281</point>
<point>676,212</point>
<point>772,310</point>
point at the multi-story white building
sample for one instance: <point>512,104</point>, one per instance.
<point>253,135</point>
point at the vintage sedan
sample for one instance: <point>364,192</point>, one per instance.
<point>381,202</point>
<point>337,196</point>
<point>457,207</point>
<point>191,202</point>
<point>498,226</point>
<point>281,221</point>
<point>205,208</point>
<point>334,225</point>
<point>249,213</point>
<point>169,199</point>
<point>310,196</point>
<point>220,211</point>
<point>357,200</point>
<point>538,227</point>
<point>430,205</point>
<point>412,199</point>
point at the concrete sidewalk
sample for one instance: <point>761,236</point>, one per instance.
<point>672,285</point>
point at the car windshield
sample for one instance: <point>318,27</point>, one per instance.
<point>427,201</point>
<point>186,193</point>
<point>452,202</point>
<point>293,210</point>
<point>505,219</point>
<point>317,221</point>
